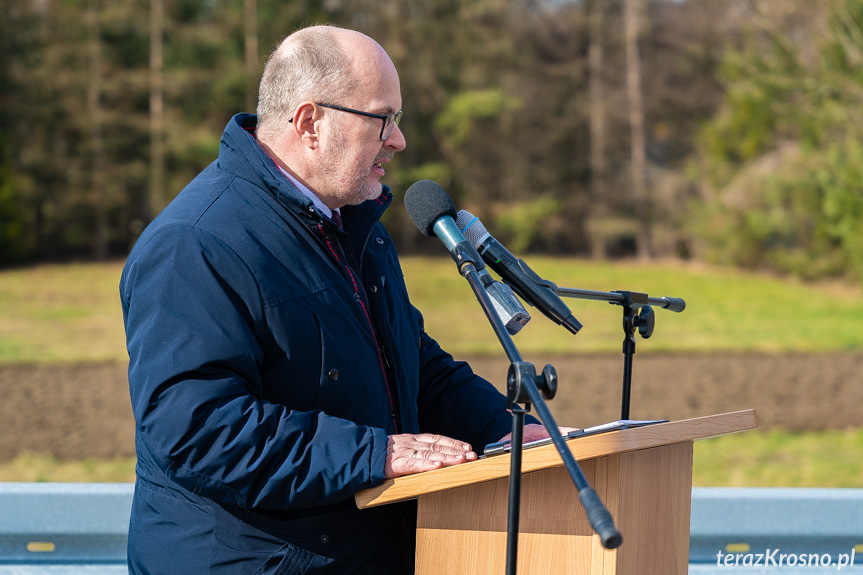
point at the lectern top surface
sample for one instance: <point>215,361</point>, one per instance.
<point>547,456</point>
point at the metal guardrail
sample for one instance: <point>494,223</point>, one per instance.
<point>80,528</point>
<point>775,530</point>
<point>64,528</point>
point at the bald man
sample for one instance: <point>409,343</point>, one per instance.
<point>277,365</point>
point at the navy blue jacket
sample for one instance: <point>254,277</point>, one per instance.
<point>271,354</point>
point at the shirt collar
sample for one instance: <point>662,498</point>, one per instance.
<point>308,193</point>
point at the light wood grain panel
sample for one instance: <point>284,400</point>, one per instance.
<point>654,488</point>
<point>604,561</point>
<point>554,536</point>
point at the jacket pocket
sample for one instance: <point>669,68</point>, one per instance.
<point>292,560</point>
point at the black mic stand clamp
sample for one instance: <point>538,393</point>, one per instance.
<point>519,372</point>
<point>643,321</point>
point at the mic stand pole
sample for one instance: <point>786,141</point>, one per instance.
<point>523,386</point>
<point>644,321</point>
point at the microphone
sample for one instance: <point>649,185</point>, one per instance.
<point>508,308</point>
<point>432,211</point>
<point>533,289</point>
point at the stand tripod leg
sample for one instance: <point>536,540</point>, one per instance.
<point>627,383</point>
<point>514,490</point>
<point>629,325</point>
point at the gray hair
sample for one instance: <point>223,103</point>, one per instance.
<point>309,65</point>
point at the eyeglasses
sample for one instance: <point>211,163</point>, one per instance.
<point>389,120</point>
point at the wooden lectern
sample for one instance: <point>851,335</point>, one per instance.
<point>642,474</point>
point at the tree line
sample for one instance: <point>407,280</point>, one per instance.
<point>724,131</point>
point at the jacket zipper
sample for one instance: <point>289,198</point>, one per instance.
<point>362,299</point>
<point>381,348</point>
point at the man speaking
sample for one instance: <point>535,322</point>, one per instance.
<point>277,365</point>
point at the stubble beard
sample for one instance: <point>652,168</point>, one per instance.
<point>346,175</point>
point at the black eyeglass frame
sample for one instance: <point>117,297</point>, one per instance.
<point>389,120</point>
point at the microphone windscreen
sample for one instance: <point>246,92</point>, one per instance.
<point>427,202</point>
<point>471,228</point>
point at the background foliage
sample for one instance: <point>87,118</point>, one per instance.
<point>783,154</point>
<point>521,110</point>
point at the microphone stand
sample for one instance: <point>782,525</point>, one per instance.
<point>643,321</point>
<point>523,386</point>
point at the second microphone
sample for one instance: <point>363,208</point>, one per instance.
<point>533,289</point>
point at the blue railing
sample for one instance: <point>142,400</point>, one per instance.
<point>773,530</point>
<point>64,528</point>
<point>80,528</point>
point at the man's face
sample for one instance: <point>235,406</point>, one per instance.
<point>354,160</point>
<point>353,155</point>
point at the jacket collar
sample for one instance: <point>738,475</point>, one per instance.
<point>241,155</point>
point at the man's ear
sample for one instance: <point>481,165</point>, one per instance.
<point>305,122</point>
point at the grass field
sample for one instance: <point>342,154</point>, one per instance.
<point>725,309</point>
<point>71,313</point>
<point>781,459</point>
<point>61,313</point>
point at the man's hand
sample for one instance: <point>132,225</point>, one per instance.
<point>408,453</point>
<point>535,431</point>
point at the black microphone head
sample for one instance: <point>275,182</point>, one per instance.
<point>472,229</point>
<point>427,202</point>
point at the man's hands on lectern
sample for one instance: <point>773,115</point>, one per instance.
<point>409,453</point>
